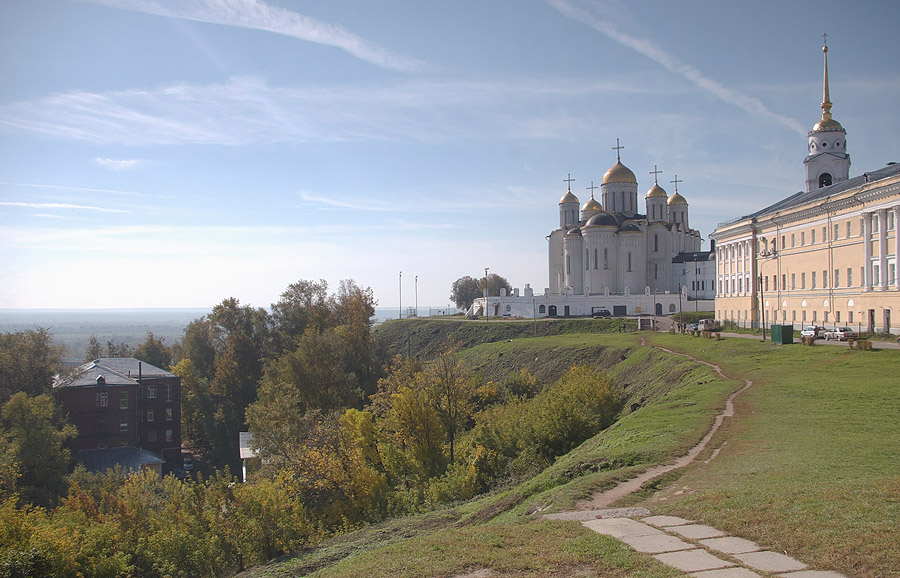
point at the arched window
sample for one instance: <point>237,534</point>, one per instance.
<point>824,180</point>
<point>542,309</point>
<point>671,308</point>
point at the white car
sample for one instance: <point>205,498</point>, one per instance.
<point>840,333</point>
<point>813,331</point>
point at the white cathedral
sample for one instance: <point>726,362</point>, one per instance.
<point>609,256</point>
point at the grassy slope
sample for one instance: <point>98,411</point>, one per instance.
<point>812,464</point>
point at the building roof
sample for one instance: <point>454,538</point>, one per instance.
<point>114,371</point>
<point>694,257</point>
<point>130,458</point>
<point>803,198</point>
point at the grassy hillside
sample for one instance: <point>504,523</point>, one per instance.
<point>808,466</point>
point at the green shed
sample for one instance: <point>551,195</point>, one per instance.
<point>783,334</point>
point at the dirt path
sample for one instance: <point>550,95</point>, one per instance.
<point>602,500</point>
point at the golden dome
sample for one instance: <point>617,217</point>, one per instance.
<point>677,199</point>
<point>592,205</point>
<point>619,173</point>
<point>827,124</point>
<point>656,191</point>
<point>568,198</point>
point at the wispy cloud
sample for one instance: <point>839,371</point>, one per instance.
<point>117,164</point>
<point>247,110</point>
<point>258,15</point>
<point>673,64</point>
<point>61,206</point>
<point>335,203</point>
<point>85,190</point>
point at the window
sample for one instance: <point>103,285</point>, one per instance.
<point>168,414</point>
<point>151,436</point>
<point>849,317</point>
<point>793,243</point>
<point>168,435</point>
<point>802,238</point>
<point>587,260</point>
<point>836,229</point>
<point>874,223</point>
<point>812,237</point>
<point>813,279</point>
<point>656,270</point>
<point>793,281</point>
<point>150,416</point>
<point>892,274</point>
<point>542,309</point>
<point>814,316</point>
<point>151,392</point>
<point>568,264</point>
<point>123,424</point>
<point>849,229</point>
<point>783,282</point>
<point>862,276</point>
<point>849,277</point>
<point>767,283</point>
<point>824,235</point>
<point>595,258</point>
<point>803,316</point>
<point>605,259</point>
<point>890,221</point>
<point>794,315</point>
<point>783,244</point>
<point>803,280</point>
<point>123,400</point>
<point>656,243</point>
<point>824,180</point>
<point>824,279</point>
<point>876,277</point>
<point>629,262</point>
<point>103,399</point>
<point>169,393</point>
<point>837,278</point>
<point>837,316</point>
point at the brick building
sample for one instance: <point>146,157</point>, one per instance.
<point>124,402</point>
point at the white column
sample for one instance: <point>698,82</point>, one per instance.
<point>867,244</point>
<point>882,248</point>
<point>897,247</point>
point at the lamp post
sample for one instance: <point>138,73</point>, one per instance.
<point>487,312</point>
<point>417,295</point>
<point>534,315</point>
<point>401,294</point>
<point>767,256</point>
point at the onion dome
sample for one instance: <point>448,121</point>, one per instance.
<point>619,173</point>
<point>677,199</point>
<point>656,191</point>
<point>602,219</point>
<point>592,205</point>
<point>568,198</point>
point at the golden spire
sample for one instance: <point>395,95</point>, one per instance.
<point>826,98</point>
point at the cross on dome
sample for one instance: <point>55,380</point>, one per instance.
<point>618,149</point>
<point>569,180</point>
<point>656,172</point>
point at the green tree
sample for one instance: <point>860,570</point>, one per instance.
<point>494,284</point>
<point>303,305</point>
<point>465,291</point>
<point>94,350</point>
<point>451,389</point>
<point>34,437</point>
<point>197,406</point>
<point>120,349</point>
<point>153,350</point>
<point>199,346</point>
<point>28,362</point>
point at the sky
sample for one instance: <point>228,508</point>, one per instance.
<point>174,153</point>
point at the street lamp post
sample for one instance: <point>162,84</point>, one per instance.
<point>401,294</point>
<point>487,312</point>
<point>417,295</point>
<point>767,256</point>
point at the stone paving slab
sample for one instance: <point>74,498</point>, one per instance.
<point>812,574</point>
<point>666,521</point>
<point>580,515</point>
<point>621,527</point>
<point>692,560</point>
<point>726,573</point>
<point>731,545</point>
<point>696,531</point>
<point>770,561</point>
<point>656,544</point>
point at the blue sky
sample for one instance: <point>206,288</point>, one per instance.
<point>171,153</point>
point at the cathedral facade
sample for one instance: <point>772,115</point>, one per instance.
<point>617,255</point>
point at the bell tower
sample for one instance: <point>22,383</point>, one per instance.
<point>827,162</point>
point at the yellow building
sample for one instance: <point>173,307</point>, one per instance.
<point>826,256</point>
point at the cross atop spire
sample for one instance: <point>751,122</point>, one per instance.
<point>592,188</point>
<point>655,172</point>
<point>569,180</point>
<point>676,181</point>
<point>618,149</point>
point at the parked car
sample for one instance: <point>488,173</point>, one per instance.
<point>602,314</point>
<point>813,331</point>
<point>840,333</point>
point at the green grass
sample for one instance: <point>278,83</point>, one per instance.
<point>538,549</point>
<point>812,462</point>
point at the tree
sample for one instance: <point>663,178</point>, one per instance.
<point>28,362</point>
<point>303,305</point>
<point>451,389</point>
<point>94,350</point>
<point>33,436</point>
<point>494,284</point>
<point>153,351</point>
<point>464,291</point>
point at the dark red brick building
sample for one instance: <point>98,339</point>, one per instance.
<point>124,402</point>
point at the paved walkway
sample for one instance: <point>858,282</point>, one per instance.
<point>702,551</point>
